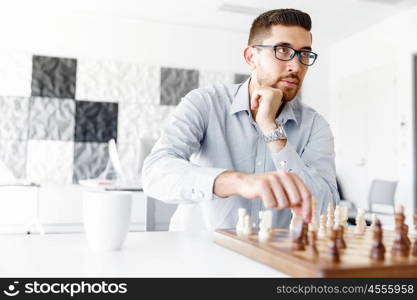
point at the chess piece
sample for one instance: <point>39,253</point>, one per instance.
<point>322,227</point>
<point>337,216</point>
<point>332,249</point>
<point>295,221</point>
<point>340,230</point>
<point>414,249</point>
<point>247,225</point>
<point>415,223</point>
<point>240,222</point>
<point>265,231</point>
<point>312,248</point>
<point>374,218</point>
<point>344,216</point>
<point>407,239</point>
<point>360,222</point>
<point>305,233</point>
<point>378,248</point>
<point>298,241</point>
<point>330,216</point>
<point>313,223</point>
<point>400,248</point>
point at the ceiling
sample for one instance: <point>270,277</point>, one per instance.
<point>332,20</point>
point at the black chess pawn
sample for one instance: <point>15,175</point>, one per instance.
<point>305,233</point>
<point>312,248</point>
<point>378,248</point>
<point>340,231</point>
<point>414,249</point>
<point>400,247</point>
<point>332,249</point>
<point>298,241</point>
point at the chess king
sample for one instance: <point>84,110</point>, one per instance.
<point>252,145</point>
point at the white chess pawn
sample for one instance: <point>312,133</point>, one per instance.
<point>337,215</point>
<point>313,222</point>
<point>374,218</point>
<point>295,221</point>
<point>247,227</point>
<point>322,227</point>
<point>344,216</point>
<point>265,232</point>
<point>330,216</point>
<point>240,222</point>
<point>360,222</point>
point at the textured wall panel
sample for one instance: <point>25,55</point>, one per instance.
<point>132,155</point>
<point>118,81</point>
<point>13,155</point>
<point>15,73</point>
<point>207,78</point>
<point>176,83</point>
<point>50,161</point>
<point>136,121</point>
<point>52,119</point>
<point>53,77</point>
<point>130,158</point>
<point>239,78</point>
<point>14,117</point>
<point>95,121</point>
<point>90,160</point>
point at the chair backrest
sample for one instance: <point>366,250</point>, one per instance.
<point>382,192</point>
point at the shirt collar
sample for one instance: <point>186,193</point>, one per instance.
<point>241,103</point>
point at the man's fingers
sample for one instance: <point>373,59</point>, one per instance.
<point>305,197</point>
<point>254,102</point>
<point>268,197</point>
<point>279,193</point>
<point>290,187</point>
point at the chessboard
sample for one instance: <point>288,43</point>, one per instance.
<point>354,261</point>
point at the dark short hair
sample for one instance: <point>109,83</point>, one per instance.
<point>261,26</point>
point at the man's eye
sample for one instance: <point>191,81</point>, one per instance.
<point>282,50</point>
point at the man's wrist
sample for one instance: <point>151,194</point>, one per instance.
<point>268,127</point>
<point>228,183</point>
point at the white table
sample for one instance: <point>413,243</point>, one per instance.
<point>145,254</point>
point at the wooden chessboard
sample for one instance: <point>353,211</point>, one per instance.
<point>354,260</point>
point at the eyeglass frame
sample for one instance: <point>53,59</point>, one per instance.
<point>296,52</point>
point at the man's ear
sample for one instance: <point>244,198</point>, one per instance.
<point>248,53</point>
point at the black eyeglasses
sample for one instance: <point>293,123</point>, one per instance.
<point>287,53</point>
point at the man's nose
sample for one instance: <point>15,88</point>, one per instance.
<point>294,65</point>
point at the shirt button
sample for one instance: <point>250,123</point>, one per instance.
<point>201,194</point>
<point>283,163</point>
<point>258,163</point>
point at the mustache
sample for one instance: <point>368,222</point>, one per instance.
<point>290,76</point>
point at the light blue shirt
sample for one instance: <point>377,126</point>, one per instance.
<point>211,131</point>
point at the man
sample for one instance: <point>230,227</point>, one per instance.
<point>252,145</point>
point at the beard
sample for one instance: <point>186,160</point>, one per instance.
<point>288,92</point>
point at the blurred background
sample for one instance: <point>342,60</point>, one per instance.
<point>76,74</point>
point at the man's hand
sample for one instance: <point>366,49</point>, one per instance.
<point>265,103</point>
<point>276,190</point>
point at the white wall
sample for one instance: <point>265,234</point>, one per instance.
<point>371,100</point>
<point>84,36</point>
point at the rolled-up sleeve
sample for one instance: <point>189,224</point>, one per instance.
<point>315,165</point>
<point>167,173</point>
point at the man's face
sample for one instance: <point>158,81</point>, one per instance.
<point>285,75</point>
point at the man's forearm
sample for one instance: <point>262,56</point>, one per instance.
<point>227,183</point>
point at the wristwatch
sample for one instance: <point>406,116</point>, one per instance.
<point>276,134</point>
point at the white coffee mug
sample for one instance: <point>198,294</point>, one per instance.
<point>106,218</point>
